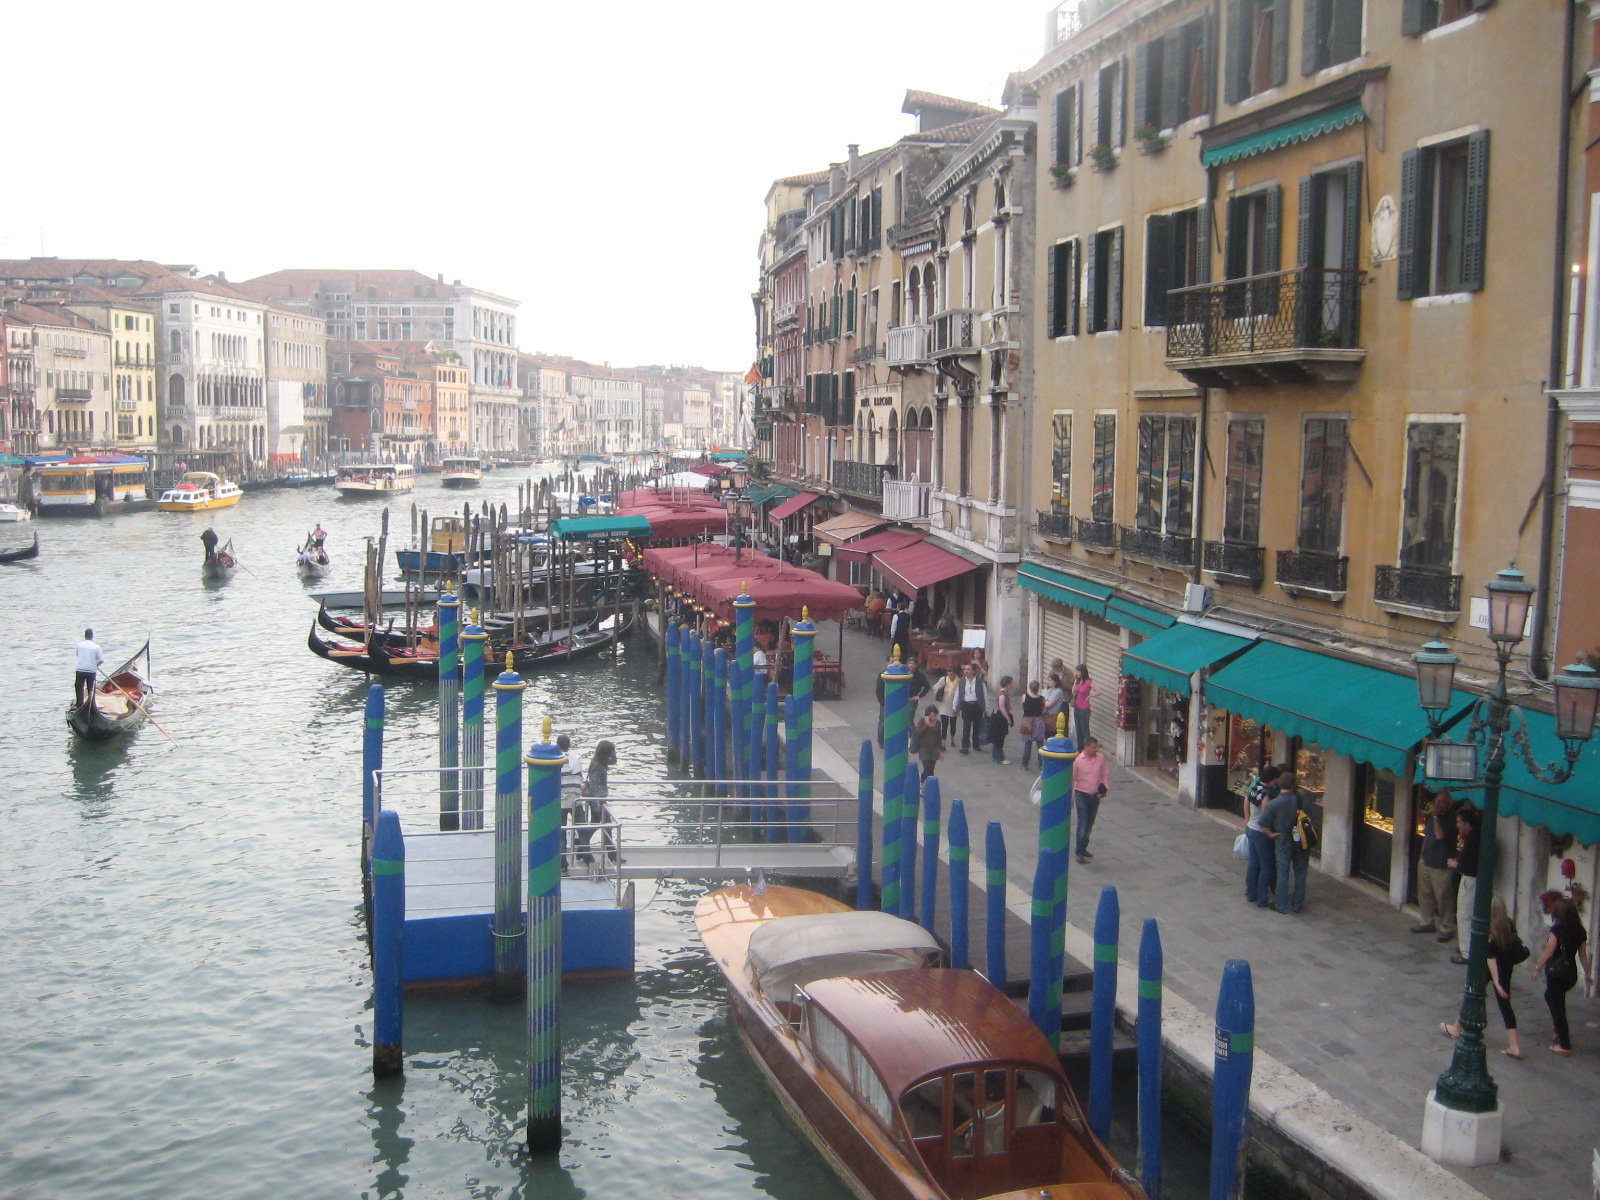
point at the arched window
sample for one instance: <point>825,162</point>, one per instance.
<point>175,389</point>
<point>176,342</point>
<point>929,293</point>
<point>914,297</point>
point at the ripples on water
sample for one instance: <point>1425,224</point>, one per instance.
<point>186,995</point>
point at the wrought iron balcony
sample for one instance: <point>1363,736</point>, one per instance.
<point>907,499</point>
<point>1282,327</point>
<point>1309,571</point>
<point>1098,535</point>
<point>909,345</point>
<point>858,478</point>
<point>75,394</point>
<point>1054,525</point>
<point>955,331</point>
<point>865,354</point>
<point>1240,564</point>
<point>1415,587</point>
<point>1158,547</point>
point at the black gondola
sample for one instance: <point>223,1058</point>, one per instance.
<point>21,552</point>
<point>119,704</point>
<point>355,631</point>
<point>374,659</point>
<point>562,650</point>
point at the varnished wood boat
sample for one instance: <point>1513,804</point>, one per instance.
<point>915,1082</point>
<point>564,646</point>
<point>21,553</point>
<point>113,709</point>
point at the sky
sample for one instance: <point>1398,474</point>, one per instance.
<point>605,164</point>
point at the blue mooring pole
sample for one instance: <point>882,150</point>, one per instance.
<point>694,729</point>
<point>1103,1011</point>
<point>672,690</point>
<point>791,769</point>
<point>449,712</point>
<point>1230,1082</point>
<point>1150,1057</point>
<point>371,764</point>
<point>930,852</point>
<point>707,704</point>
<point>804,636</point>
<point>758,741</point>
<point>960,861</point>
<point>473,639</point>
<point>774,764</point>
<point>719,720</point>
<point>994,910</point>
<point>896,683</point>
<point>1055,831</point>
<point>744,641</point>
<point>864,770</point>
<point>388,944</point>
<point>544,945</point>
<point>508,929</point>
<point>1044,891</point>
<point>910,807</point>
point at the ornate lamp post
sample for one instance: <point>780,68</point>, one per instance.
<point>1467,1087</point>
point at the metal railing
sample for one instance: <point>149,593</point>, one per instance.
<point>1067,20</point>
<point>1312,569</point>
<point>858,478</point>
<point>955,331</point>
<point>1417,587</point>
<point>909,344</point>
<point>907,499</point>
<point>1157,546</point>
<point>1304,308</point>
<point>1247,564</point>
<point>1102,535</point>
<point>1057,525</point>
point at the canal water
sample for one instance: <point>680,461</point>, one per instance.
<point>186,999</point>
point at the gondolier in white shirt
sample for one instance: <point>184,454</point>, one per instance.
<point>90,660</point>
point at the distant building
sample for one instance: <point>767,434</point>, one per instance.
<point>297,386</point>
<point>68,360</point>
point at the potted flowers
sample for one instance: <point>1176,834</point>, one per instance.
<point>1102,156</point>
<point>1149,139</point>
<point>1062,174</point>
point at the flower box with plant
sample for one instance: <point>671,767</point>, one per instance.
<point>1149,139</point>
<point>1063,174</point>
<point>1102,156</point>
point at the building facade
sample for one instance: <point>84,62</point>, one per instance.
<point>132,327</point>
<point>297,386</point>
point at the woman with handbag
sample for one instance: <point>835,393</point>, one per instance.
<point>1506,950</point>
<point>1567,944</point>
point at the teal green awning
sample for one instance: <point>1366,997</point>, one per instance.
<point>1364,712</point>
<point>1064,589</point>
<point>1170,657</point>
<point>761,493</point>
<point>1301,130</point>
<point>598,529</point>
<point>1142,620</point>
<point>1572,807</point>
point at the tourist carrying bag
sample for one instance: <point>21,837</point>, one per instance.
<point>1241,846</point>
<point>1519,952</point>
<point>1562,971</point>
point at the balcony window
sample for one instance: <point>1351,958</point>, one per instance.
<point>1101,503</point>
<point>1064,288</point>
<point>1444,198</point>
<point>1258,47</point>
<point>1177,255</point>
<point>1322,471</point>
<point>1061,462</point>
<point>1332,34</point>
<point>1165,475</point>
<point>1255,225</point>
<point>1433,468</point>
<point>1171,79</point>
<point>1241,505</point>
<point>1067,133</point>
<point>1102,275</point>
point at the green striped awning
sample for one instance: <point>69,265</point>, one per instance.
<point>1170,657</point>
<point>1302,129</point>
<point>761,493</point>
<point>1573,807</point>
<point>1137,617</point>
<point>1064,588</point>
<point>595,529</point>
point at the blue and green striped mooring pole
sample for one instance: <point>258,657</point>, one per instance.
<point>960,880</point>
<point>508,929</point>
<point>930,852</point>
<point>896,685</point>
<point>744,648</point>
<point>449,712</point>
<point>544,945</point>
<point>1055,833</point>
<point>994,911</point>
<point>1044,885</point>
<point>694,729</point>
<point>775,767</point>
<point>388,944</point>
<point>719,720</point>
<point>674,701</point>
<point>371,765</point>
<point>472,687</point>
<point>805,636</point>
<point>1235,1057</point>
<point>1103,1010</point>
<point>1150,1053</point>
<point>910,808</point>
<point>864,769</point>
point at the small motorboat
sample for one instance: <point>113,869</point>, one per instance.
<point>220,561</point>
<point>365,480</point>
<point>312,560</point>
<point>13,512</point>
<point>199,491</point>
<point>119,705</point>
<point>21,553</point>
<point>916,1082</point>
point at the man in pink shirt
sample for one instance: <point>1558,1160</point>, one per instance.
<point>1091,776</point>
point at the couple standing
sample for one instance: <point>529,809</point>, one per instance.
<point>1279,835</point>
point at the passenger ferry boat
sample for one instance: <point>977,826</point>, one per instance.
<point>916,1082</point>
<point>91,485</point>
<point>358,480</point>
<point>199,491</point>
<point>462,472</point>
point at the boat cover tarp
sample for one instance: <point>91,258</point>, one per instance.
<point>787,952</point>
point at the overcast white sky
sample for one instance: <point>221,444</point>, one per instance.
<point>603,163</point>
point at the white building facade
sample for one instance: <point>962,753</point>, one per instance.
<point>213,377</point>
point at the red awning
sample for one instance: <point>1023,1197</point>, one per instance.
<point>922,565</point>
<point>889,539</point>
<point>789,593</point>
<point>679,521</point>
<point>790,506</point>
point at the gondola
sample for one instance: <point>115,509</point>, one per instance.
<point>119,705</point>
<point>356,631</point>
<point>21,552</point>
<point>312,560</point>
<point>373,659</point>
<point>581,643</point>
<point>219,562</point>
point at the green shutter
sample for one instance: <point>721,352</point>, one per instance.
<point>1077,122</point>
<point>1122,100</point>
<point>1475,220</point>
<point>1235,252</point>
<point>1413,15</point>
<point>1114,282</point>
<point>1272,228</point>
<point>1312,16</point>
<point>1158,251</point>
<point>1411,163</point>
<point>1202,244</point>
<point>1074,258</point>
<point>1210,58</point>
<point>1238,35</point>
<point>1090,268</point>
<point>1280,42</point>
<point>1354,210</point>
<point>1146,62</point>
<point>850,311</point>
<point>1173,60</point>
<point>1058,289</point>
<point>1309,192</point>
<point>1063,125</point>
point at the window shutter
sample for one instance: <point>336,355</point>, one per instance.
<point>1238,51</point>
<point>1308,221</point>
<point>1354,210</point>
<point>1114,282</point>
<point>1475,220</point>
<point>1412,15</point>
<point>1406,251</point>
<point>1173,78</point>
<point>1157,269</point>
<point>850,311</point>
<point>1058,289</point>
<point>1090,267</point>
<point>1146,60</point>
<point>1280,42</point>
<point>1236,261</point>
<point>1074,258</point>
<point>1063,126</point>
<point>1094,113</point>
<point>1077,122</point>
<point>1202,244</point>
<point>1210,56</point>
<point>1272,229</point>
<point>1313,16</point>
<point>1122,99</point>
<point>877,217</point>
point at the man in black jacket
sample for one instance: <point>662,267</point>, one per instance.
<point>972,700</point>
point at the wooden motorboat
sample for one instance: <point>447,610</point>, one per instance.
<point>21,552</point>
<point>916,1082</point>
<point>200,491</point>
<point>220,562</point>
<point>312,560</point>
<point>119,704</point>
<point>446,550</point>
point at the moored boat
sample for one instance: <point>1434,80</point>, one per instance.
<point>446,551</point>
<point>120,704</point>
<point>21,553</point>
<point>461,472</point>
<point>360,480</point>
<point>13,512</point>
<point>916,1082</point>
<point>200,491</point>
<point>90,485</point>
<point>420,662</point>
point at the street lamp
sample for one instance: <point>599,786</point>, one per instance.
<point>1467,1087</point>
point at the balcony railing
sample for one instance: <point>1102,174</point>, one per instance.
<point>1054,525</point>
<point>70,352</point>
<point>909,345</point>
<point>1311,571</point>
<point>1068,20</point>
<point>1242,564</point>
<point>955,331</point>
<point>1417,588</point>
<point>77,394</point>
<point>858,478</point>
<point>127,406</point>
<point>1158,547</point>
<point>865,354</point>
<point>1100,535</point>
<point>1280,327</point>
<point>907,499</point>
<point>785,313</point>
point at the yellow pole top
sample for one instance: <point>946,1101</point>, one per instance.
<point>894,656</point>
<point>744,587</point>
<point>547,728</point>
<point>805,612</point>
<point>1061,724</point>
<point>509,668</point>
<point>475,614</point>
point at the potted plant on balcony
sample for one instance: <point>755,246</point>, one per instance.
<point>1063,174</point>
<point>1102,156</point>
<point>1149,139</point>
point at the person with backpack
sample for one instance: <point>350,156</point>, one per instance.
<point>1506,950</point>
<point>1286,821</point>
<point>1567,944</point>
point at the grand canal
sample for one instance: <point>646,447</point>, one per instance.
<point>185,1004</point>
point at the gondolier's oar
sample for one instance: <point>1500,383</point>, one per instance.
<point>136,704</point>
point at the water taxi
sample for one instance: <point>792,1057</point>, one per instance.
<point>90,485</point>
<point>358,480</point>
<point>916,1082</point>
<point>462,472</point>
<point>199,491</point>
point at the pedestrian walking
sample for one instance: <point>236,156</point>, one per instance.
<point>1262,873</point>
<point>1032,727</point>
<point>89,660</point>
<point>972,699</point>
<point>1567,945</point>
<point>1083,692</point>
<point>928,739</point>
<point>1437,881</point>
<point>1000,721</point>
<point>944,699</point>
<point>1465,863</point>
<point>1506,950</point>
<point>1285,819</point>
<point>1091,780</point>
<point>900,630</point>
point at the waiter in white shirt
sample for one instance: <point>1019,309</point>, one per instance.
<point>89,662</point>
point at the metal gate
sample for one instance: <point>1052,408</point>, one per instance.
<point>1058,638</point>
<point>1102,654</point>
